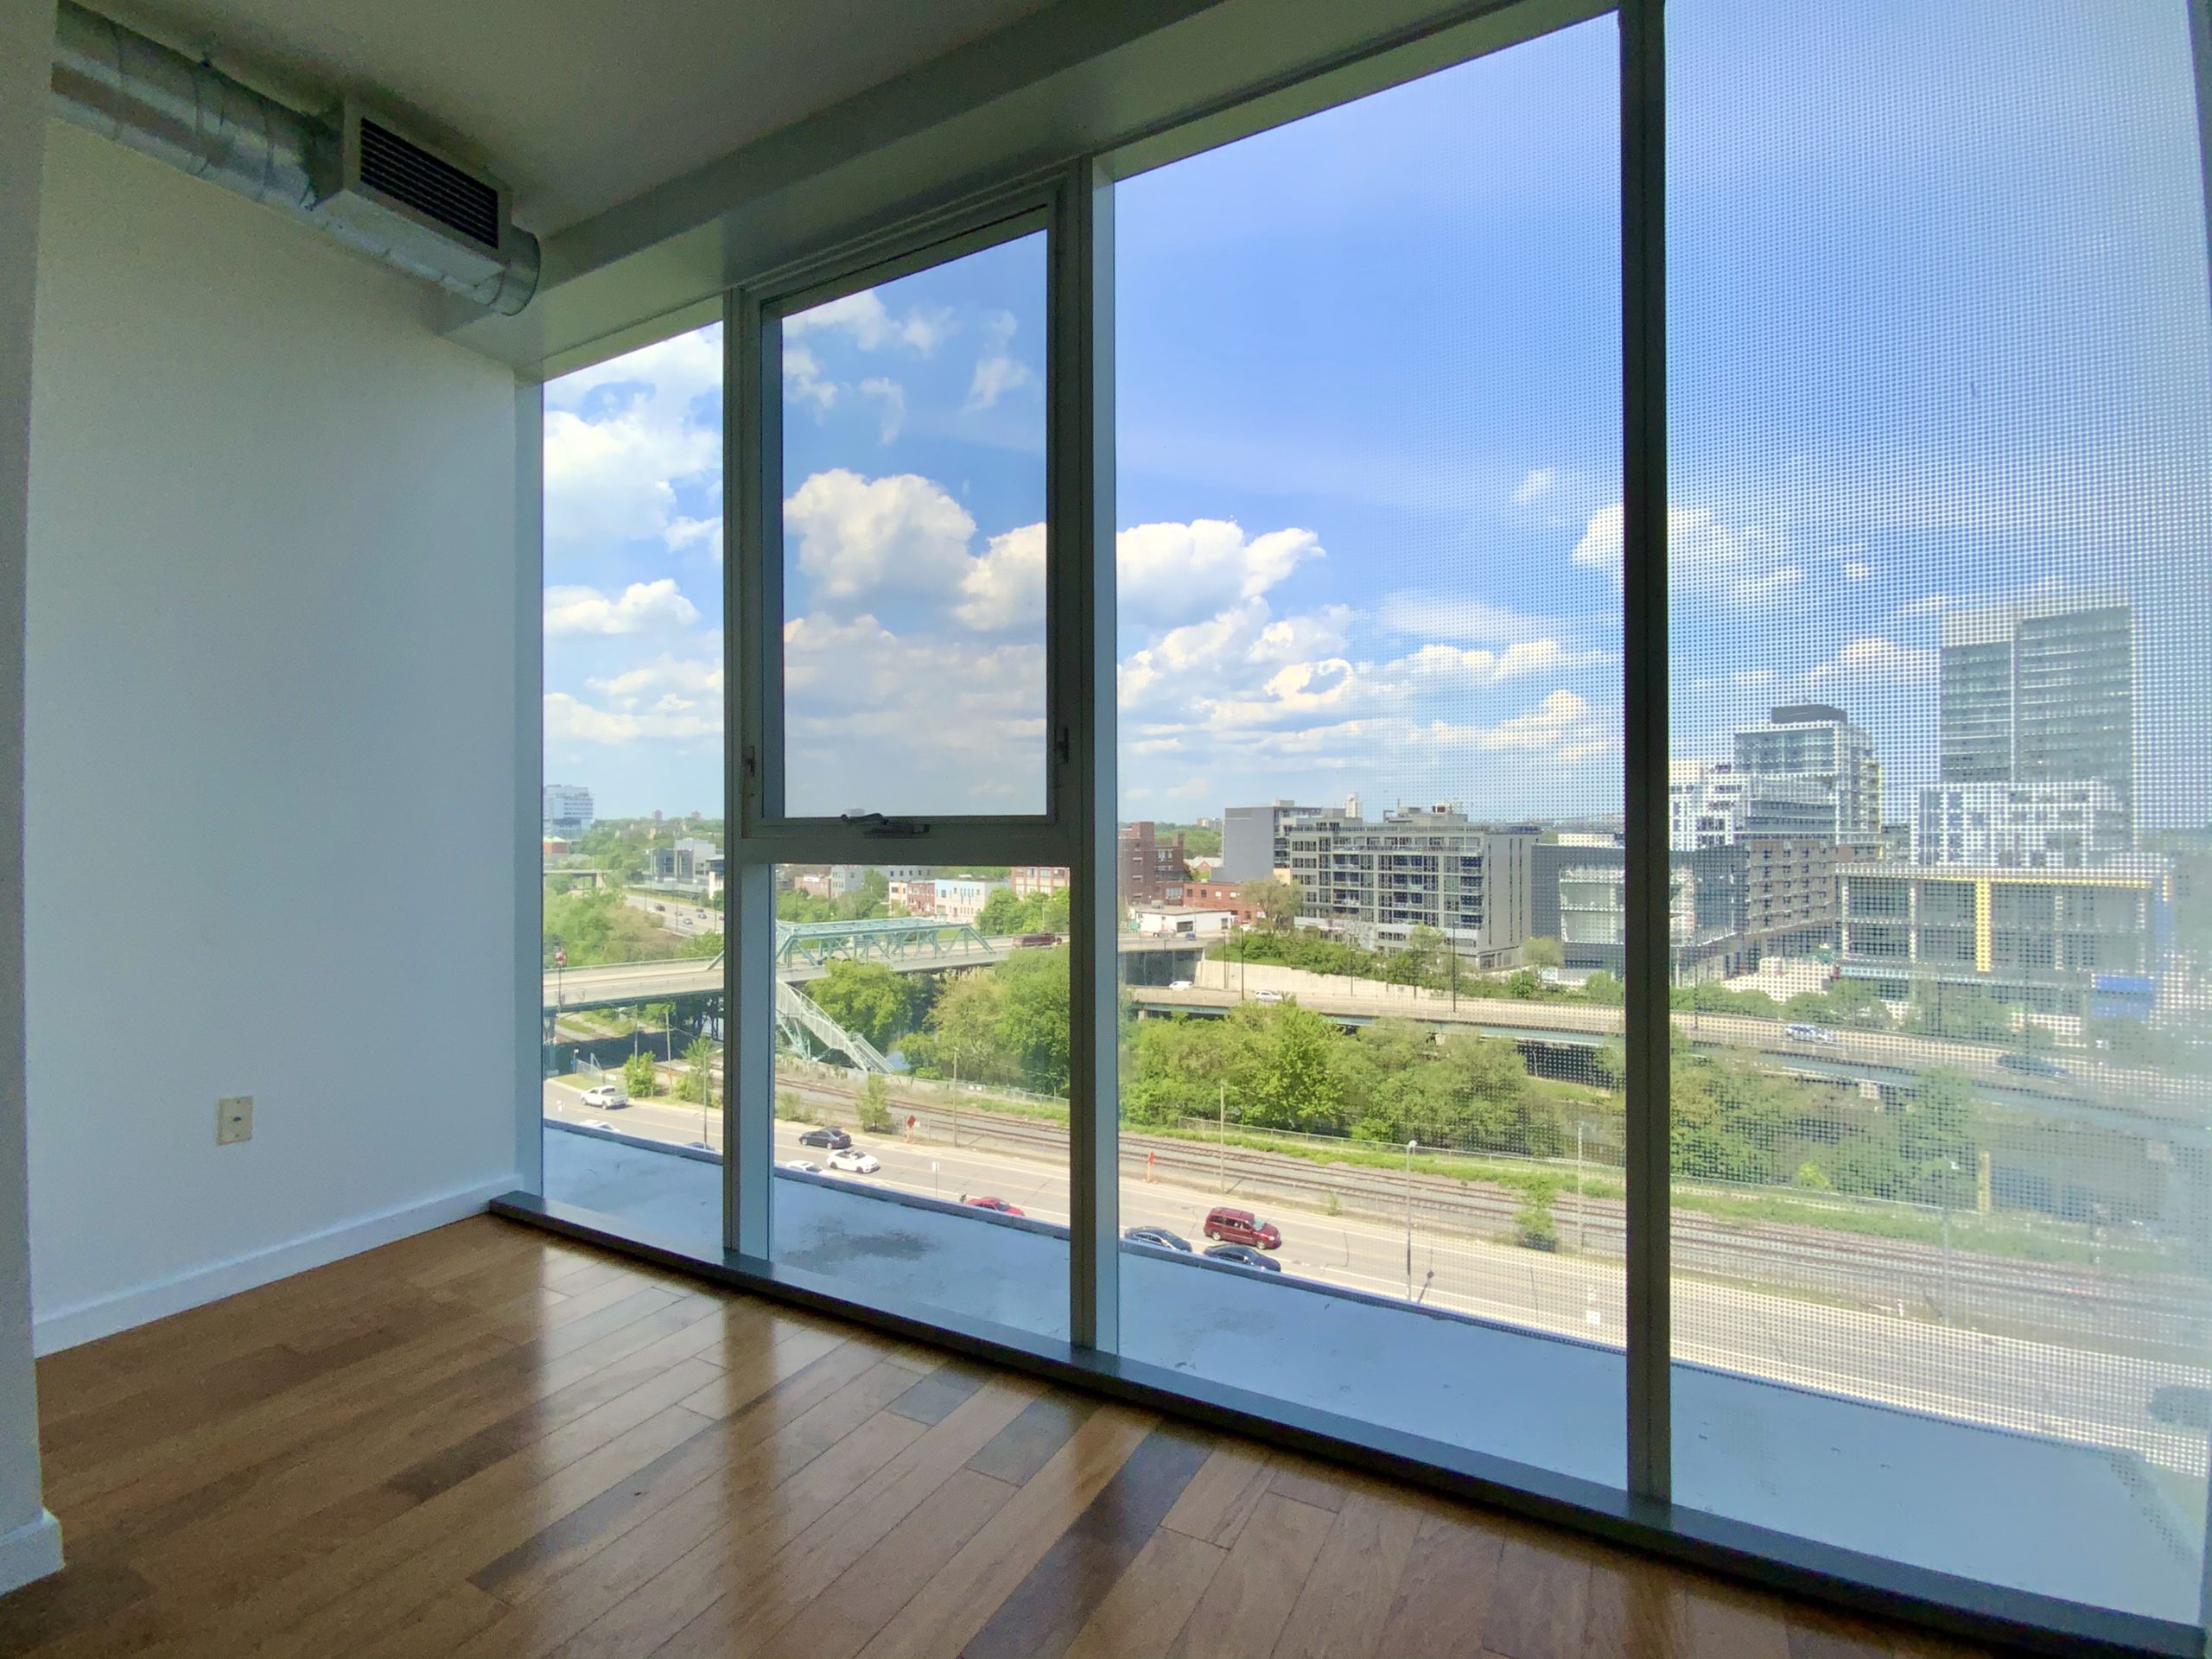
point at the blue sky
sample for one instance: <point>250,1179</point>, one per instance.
<point>1938,336</point>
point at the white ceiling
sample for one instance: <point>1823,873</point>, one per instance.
<point>578,105</point>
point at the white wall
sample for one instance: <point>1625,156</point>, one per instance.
<point>272,769</point>
<point>31,1545</point>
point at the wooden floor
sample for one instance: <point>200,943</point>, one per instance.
<point>488,1441</point>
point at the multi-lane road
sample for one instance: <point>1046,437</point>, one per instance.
<point>2043,1384</point>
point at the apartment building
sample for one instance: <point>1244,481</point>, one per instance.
<point>1374,881</point>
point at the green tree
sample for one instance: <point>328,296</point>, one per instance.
<point>1033,1023</point>
<point>1002,913</point>
<point>1277,900</point>
<point>874,1103</point>
<point>1055,917</point>
<point>1936,1149</point>
<point>864,997</point>
<point>697,1086</point>
<point>1543,953</point>
<point>639,1078</point>
<point>1420,960</point>
<point>1176,1068</point>
<point>1282,1070</point>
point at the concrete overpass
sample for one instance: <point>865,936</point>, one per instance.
<point>803,956</point>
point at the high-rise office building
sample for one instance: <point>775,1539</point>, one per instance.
<point>1813,750</point>
<point>566,808</point>
<point>1256,840</point>
<point>2041,692</point>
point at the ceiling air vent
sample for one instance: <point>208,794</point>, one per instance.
<point>429,184</point>
<point>427,205</point>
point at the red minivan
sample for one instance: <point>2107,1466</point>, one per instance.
<point>1242,1227</point>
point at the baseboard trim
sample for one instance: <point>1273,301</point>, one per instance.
<point>88,1321</point>
<point>30,1551</point>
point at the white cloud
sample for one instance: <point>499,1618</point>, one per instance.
<point>692,532</point>
<point>893,397</point>
<point>569,719</point>
<point>682,679</point>
<point>1926,605</point>
<point>620,437</point>
<point>1005,588</point>
<point>997,370</point>
<point>1534,487</point>
<point>1562,726</point>
<point>860,537</point>
<point>1870,664</point>
<point>1857,570</point>
<point>1171,573</point>
<point>864,319</point>
<point>1441,668</point>
<point>1469,620</point>
<point>642,606</point>
<point>804,382</point>
<point>1744,566</point>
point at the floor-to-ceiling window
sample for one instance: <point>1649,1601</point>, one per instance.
<point>1940,402</point>
<point>1368,389</point>
<point>1236,985</point>
<point>630,1050</point>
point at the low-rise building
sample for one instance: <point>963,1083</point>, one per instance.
<point>1375,881</point>
<point>1221,895</point>
<point>1029,880</point>
<point>1150,870</point>
<point>2034,939</point>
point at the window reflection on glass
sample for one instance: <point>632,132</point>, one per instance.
<point>914,624</point>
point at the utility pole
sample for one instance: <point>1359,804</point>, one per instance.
<point>1581,1204</point>
<point>1410,1145</point>
<point>1221,1142</point>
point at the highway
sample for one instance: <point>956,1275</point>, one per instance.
<point>2039,1383</point>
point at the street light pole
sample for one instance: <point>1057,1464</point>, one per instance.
<point>1410,1145</point>
<point>1581,1204</point>
<point>1221,1143</point>
<point>1951,1171</point>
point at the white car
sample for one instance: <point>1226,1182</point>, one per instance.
<point>803,1167</point>
<point>607,1095</point>
<point>854,1162</point>
<point>1179,985</point>
<point>1267,997</point>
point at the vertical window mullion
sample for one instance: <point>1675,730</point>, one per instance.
<point>1645,685</point>
<point>749,897</point>
<point>1083,641</point>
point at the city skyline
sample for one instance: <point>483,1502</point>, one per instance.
<point>1328,591</point>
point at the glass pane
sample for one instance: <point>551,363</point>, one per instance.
<point>914,543</point>
<point>1942,589</point>
<point>634,829</point>
<point>921,1086</point>
<point>1369,416</point>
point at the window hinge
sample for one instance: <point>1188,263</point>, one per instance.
<point>1063,745</point>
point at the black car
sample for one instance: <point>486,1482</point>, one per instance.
<point>1244,1256</point>
<point>1158,1237</point>
<point>2033,1064</point>
<point>836,1140</point>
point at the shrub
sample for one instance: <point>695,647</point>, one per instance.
<point>875,1103</point>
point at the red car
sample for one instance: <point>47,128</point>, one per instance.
<point>1000,1204</point>
<point>1230,1226</point>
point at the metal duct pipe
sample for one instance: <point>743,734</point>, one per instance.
<point>139,92</point>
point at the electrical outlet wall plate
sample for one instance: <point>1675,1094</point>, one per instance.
<point>233,1119</point>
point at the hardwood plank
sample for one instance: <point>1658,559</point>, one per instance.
<point>1242,1613</point>
<point>1637,1611</point>
<point>1043,1614</point>
<point>1725,1620</point>
<point>1146,1608</point>
<point>1817,1634</point>
<point>1315,1485</point>
<point>1354,1581</point>
<point>735,1587</point>
<point>1539,1602</point>
<point>1443,1594</point>
<point>1217,1504</point>
<point>1027,1444</point>
<point>862,1599</point>
<point>937,1396</point>
<point>954,1603</point>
